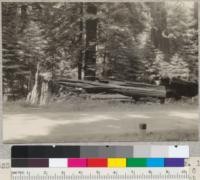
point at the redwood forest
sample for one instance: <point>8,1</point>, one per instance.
<point>118,67</point>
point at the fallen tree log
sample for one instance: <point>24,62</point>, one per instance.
<point>177,88</point>
<point>132,89</point>
<point>114,82</point>
<point>101,96</point>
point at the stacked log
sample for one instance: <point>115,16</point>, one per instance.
<point>132,89</point>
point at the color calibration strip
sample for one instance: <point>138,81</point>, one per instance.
<point>98,162</point>
<point>137,151</point>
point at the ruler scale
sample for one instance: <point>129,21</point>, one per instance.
<point>100,174</point>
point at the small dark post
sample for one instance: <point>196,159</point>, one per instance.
<point>143,128</point>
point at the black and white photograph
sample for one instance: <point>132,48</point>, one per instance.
<point>100,71</point>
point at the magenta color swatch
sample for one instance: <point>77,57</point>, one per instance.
<point>77,162</point>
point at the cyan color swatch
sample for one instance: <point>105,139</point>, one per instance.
<point>155,162</point>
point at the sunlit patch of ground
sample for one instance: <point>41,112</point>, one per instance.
<point>67,122</point>
<point>185,115</point>
<point>25,125</point>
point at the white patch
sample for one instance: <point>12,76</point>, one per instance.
<point>138,116</point>
<point>113,126</point>
<point>84,114</point>
<point>184,115</point>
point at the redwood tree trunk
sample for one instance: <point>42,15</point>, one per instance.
<point>91,40</point>
<point>80,60</point>
<point>159,16</point>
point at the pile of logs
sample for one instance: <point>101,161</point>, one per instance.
<point>131,89</point>
<point>175,88</point>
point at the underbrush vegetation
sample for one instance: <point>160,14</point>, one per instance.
<point>76,104</point>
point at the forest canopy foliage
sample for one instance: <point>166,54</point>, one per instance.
<point>123,41</point>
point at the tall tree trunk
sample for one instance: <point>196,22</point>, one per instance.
<point>80,61</point>
<point>24,17</point>
<point>91,40</point>
<point>196,14</point>
<point>104,72</point>
<point>159,18</point>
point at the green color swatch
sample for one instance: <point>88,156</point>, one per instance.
<point>136,162</point>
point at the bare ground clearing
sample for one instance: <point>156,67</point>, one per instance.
<point>101,122</point>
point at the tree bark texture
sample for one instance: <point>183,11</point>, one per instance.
<point>91,40</point>
<point>80,60</point>
<point>159,16</point>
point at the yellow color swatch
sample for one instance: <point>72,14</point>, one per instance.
<point>116,162</point>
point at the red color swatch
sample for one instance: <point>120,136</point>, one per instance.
<point>97,162</point>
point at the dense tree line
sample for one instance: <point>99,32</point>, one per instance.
<point>123,41</point>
